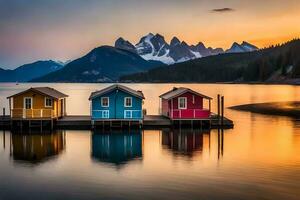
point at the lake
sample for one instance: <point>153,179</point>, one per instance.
<point>259,158</point>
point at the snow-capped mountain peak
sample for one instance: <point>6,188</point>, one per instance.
<point>241,48</point>
<point>249,47</point>
<point>154,47</point>
<point>175,41</point>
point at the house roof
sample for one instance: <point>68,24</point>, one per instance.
<point>175,92</point>
<point>47,91</point>
<point>135,93</point>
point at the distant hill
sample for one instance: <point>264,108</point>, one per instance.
<point>279,63</point>
<point>102,64</point>
<point>30,71</point>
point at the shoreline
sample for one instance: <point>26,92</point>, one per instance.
<point>288,108</point>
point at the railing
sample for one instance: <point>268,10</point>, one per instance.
<point>127,114</point>
<point>101,114</point>
<point>189,113</point>
<point>133,114</point>
<point>32,113</point>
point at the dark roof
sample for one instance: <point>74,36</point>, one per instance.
<point>47,91</point>
<point>179,91</point>
<point>138,94</point>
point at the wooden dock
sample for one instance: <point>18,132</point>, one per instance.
<point>84,122</point>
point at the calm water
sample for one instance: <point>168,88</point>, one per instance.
<point>260,158</point>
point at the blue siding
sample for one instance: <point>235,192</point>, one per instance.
<point>116,107</point>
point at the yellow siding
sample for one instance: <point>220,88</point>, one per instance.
<point>59,111</point>
<point>38,107</point>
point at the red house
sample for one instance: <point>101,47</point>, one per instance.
<point>184,104</point>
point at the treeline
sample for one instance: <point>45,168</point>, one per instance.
<point>263,65</point>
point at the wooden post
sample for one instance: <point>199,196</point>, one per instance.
<point>3,113</point>
<point>218,109</point>
<point>222,111</point>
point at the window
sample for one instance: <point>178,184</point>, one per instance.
<point>28,103</point>
<point>105,102</point>
<point>182,103</point>
<point>48,102</point>
<point>127,114</point>
<point>105,114</point>
<point>128,102</point>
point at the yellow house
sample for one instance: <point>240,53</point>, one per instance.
<point>38,103</point>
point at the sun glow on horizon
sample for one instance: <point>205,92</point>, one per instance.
<point>31,31</point>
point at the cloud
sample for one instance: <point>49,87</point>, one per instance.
<point>222,10</point>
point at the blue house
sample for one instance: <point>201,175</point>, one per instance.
<point>117,102</point>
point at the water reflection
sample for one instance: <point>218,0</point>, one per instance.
<point>183,141</point>
<point>36,148</point>
<point>117,147</point>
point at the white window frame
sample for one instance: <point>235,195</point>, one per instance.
<point>125,100</point>
<point>185,99</point>
<point>31,102</point>
<point>106,115</point>
<point>127,111</point>
<point>47,106</point>
<point>107,102</point>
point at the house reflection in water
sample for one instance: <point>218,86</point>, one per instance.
<point>183,141</point>
<point>117,147</point>
<point>36,148</point>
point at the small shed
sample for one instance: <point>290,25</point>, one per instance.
<point>185,104</point>
<point>117,102</point>
<point>38,103</point>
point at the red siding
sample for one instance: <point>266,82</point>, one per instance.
<point>190,105</point>
<point>194,108</point>
<point>164,107</point>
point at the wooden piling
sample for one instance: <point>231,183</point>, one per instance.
<point>222,111</point>
<point>218,109</point>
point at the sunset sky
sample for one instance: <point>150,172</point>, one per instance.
<point>33,30</point>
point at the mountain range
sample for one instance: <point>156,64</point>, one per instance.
<point>102,64</point>
<point>29,71</point>
<point>109,63</point>
<point>276,64</point>
<point>154,47</point>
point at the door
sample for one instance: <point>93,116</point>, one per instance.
<point>27,106</point>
